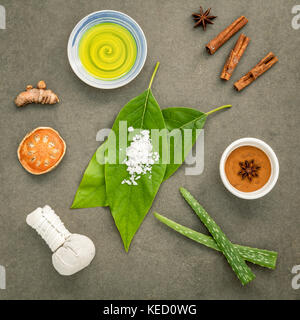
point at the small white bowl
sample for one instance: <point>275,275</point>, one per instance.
<point>113,17</point>
<point>274,168</point>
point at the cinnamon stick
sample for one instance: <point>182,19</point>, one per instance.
<point>226,34</point>
<point>265,64</point>
<point>235,56</point>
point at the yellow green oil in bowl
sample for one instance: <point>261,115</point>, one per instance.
<point>107,51</point>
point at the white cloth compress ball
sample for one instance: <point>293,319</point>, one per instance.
<point>72,252</point>
<point>75,254</point>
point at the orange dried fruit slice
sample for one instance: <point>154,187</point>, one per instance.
<point>41,150</point>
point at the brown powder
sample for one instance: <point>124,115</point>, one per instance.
<point>232,168</point>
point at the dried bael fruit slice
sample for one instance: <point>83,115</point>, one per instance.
<point>41,150</point>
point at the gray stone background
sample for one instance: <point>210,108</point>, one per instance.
<point>161,264</point>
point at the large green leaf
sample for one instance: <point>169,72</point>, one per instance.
<point>91,191</point>
<point>129,204</point>
<point>182,118</point>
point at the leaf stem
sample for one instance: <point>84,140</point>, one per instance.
<point>217,109</point>
<point>153,75</point>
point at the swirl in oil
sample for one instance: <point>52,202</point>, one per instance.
<point>107,51</point>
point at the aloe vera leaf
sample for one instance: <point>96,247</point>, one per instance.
<point>261,257</point>
<point>232,255</point>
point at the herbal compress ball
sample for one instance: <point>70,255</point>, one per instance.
<point>72,252</point>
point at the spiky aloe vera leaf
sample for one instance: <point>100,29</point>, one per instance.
<point>232,255</point>
<point>261,257</point>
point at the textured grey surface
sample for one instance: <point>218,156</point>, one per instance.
<point>161,264</point>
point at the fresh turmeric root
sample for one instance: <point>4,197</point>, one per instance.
<point>36,95</point>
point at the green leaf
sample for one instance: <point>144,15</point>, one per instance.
<point>232,255</point>
<point>264,258</point>
<point>129,204</point>
<point>91,191</point>
<point>175,118</point>
<point>182,118</point>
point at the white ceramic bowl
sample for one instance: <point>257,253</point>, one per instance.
<point>97,18</point>
<point>274,168</point>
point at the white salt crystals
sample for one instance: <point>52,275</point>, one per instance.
<point>139,157</point>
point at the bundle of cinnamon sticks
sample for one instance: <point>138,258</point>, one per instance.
<point>236,54</point>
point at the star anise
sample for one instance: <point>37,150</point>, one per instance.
<point>248,170</point>
<point>203,18</point>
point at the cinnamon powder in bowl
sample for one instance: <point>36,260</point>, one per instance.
<point>249,168</point>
